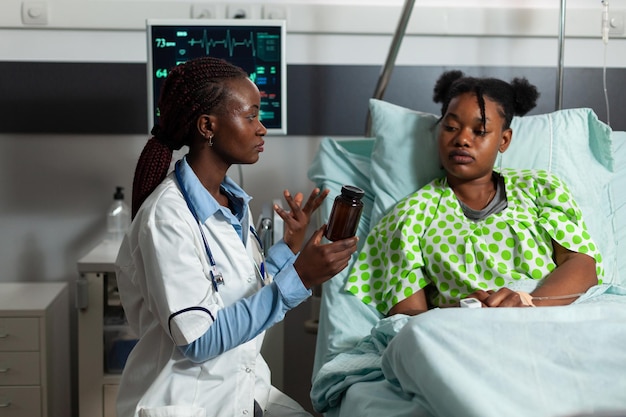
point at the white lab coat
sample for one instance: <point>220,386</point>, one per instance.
<point>173,303</point>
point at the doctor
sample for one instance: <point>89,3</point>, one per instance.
<point>194,284</point>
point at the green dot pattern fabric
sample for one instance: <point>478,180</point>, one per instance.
<point>426,239</point>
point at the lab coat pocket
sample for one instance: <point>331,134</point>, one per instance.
<point>173,411</point>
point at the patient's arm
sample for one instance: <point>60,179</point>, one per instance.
<point>411,306</point>
<point>575,273</point>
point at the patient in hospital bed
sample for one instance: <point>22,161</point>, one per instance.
<point>505,229</point>
<point>509,238</point>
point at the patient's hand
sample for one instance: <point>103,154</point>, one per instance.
<point>504,297</point>
<point>298,217</point>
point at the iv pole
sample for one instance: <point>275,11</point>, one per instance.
<point>559,81</point>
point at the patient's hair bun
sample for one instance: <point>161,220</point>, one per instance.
<point>444,83</point>
<point>525,96</point>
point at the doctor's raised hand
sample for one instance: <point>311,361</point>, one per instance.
<point>196,285</point>
<point>298,217</point>
<point>317,262</point>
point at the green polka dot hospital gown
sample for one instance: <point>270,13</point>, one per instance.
<point>426,239</point>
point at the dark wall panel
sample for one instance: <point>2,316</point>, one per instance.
<point>111,98</point>
<point>332,100</point>
<point>72,98</point>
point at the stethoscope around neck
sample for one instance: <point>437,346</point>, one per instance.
<point>217,278</point>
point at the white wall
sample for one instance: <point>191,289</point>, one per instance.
<point>54,190</point>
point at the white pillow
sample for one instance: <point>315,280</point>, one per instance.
<point>404,156</point>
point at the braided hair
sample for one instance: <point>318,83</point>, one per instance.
<point>190,90</point>
<point>515,98</point>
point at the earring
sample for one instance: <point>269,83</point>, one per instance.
<point>499,161</point>
<point>210,139</point>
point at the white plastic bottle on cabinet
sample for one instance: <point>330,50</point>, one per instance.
<point>118,217</point>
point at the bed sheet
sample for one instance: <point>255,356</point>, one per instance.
<point>443,363</point>
<point>377,398</point>
<point>619,202</point>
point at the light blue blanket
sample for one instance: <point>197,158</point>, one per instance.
<point>549,361</point>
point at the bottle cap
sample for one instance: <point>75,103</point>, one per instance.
<point>352,191</point>
<point>119,193</point>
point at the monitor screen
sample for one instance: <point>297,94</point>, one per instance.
<point>257,46</point>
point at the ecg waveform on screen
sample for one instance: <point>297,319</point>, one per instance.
<point>229,43</point>
<point>257,49</point>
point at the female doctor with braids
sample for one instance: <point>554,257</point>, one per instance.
<point>193,280</point>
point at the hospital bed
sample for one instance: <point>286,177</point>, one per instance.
<point>551,361</point>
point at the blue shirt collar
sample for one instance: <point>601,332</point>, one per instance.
<point>203,202</point>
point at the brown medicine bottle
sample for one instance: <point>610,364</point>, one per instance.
<point>345,214</point>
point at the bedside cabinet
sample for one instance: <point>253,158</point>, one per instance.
<point>98,306</point>
<point>34,350</point>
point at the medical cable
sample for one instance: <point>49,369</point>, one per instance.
<point>606,94</point>
<point>559,297</point>
<point>605,41</point>
<point>260,268</point>
<point>527,299</point>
